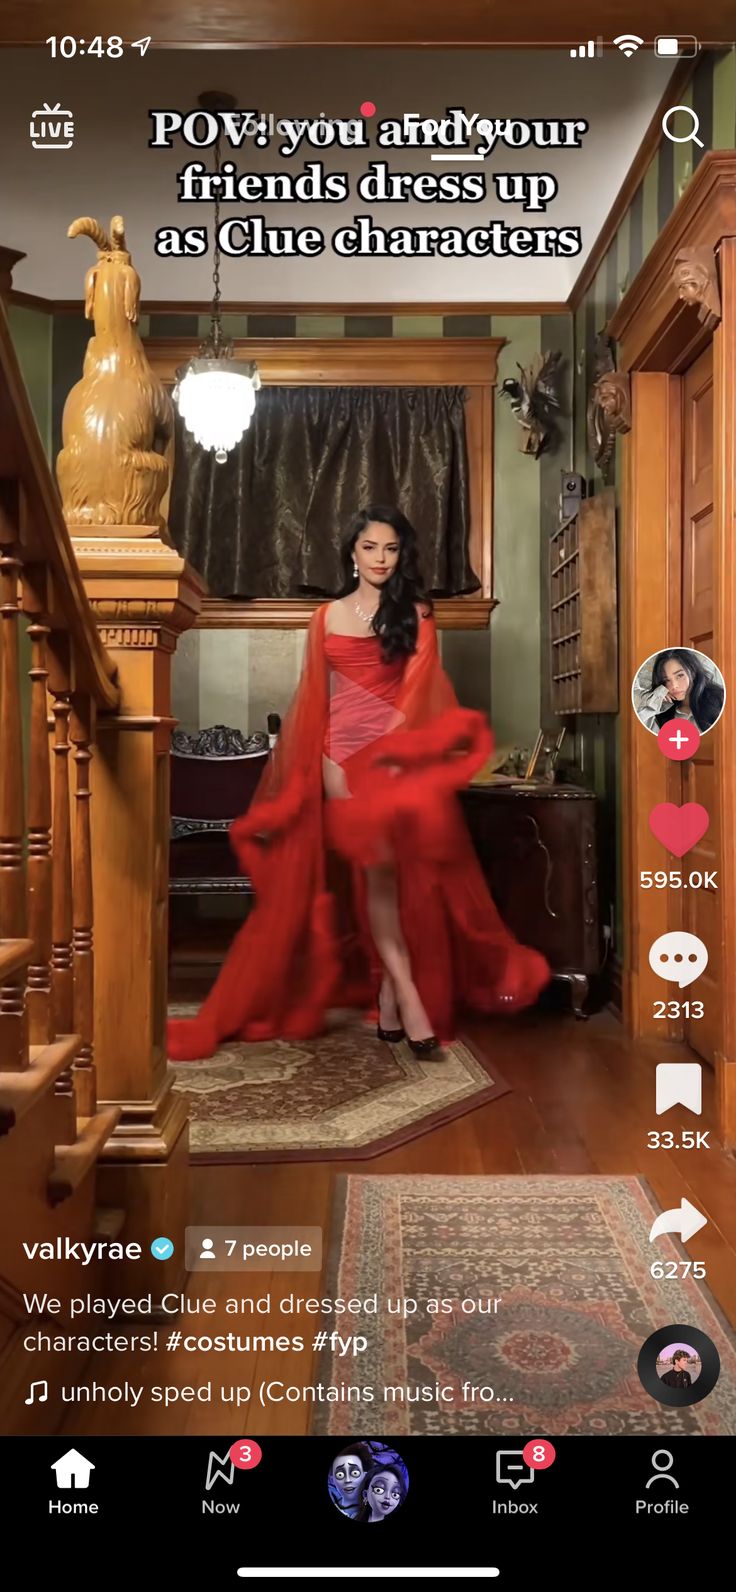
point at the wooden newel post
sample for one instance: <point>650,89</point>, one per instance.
<point>113,473</point>
<point>143,595</point>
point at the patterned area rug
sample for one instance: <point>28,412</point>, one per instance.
<point>344,1095</point>
<point>567,1257</point>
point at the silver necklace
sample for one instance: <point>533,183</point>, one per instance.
<point>366,618</point>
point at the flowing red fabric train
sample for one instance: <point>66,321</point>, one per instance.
<point>306,944</point>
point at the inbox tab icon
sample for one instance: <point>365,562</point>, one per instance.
<point>679,1083</point>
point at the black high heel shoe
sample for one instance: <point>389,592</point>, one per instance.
<point>390,1036</point>
<point>423,1047</point>
<point>420,1047</point>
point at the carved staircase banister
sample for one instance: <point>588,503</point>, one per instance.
<point>92,1135</point>
<point>44,537</point>
<point>53,669</point>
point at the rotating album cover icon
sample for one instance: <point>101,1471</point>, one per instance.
<point>678,1365</point>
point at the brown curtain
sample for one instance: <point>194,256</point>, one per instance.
<point>270,521</point>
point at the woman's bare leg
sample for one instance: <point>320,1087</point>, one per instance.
<point>382,904</point>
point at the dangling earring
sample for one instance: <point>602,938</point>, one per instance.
<point>355,570</point>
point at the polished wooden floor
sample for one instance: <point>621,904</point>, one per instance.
<point>582,1101</point>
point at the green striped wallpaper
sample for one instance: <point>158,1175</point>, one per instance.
<point>255,325</point>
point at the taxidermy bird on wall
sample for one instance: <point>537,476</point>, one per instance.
<point>535,401</point>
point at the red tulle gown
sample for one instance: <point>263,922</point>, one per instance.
<point>406,747</point>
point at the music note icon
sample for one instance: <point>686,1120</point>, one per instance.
<point>42,1397</point>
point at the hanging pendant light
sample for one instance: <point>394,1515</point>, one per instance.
<point>216,393</point>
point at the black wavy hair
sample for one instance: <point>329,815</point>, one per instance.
<point>706,698</point>
<point>364,1512</point>
<point>396,621</point>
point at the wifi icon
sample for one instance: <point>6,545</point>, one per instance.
<point>628,43</point>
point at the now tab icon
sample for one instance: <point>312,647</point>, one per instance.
<point>52,128</point>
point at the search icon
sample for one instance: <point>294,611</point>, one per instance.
<point>689,138</point>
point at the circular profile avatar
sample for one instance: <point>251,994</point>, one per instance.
<point>678,683</point>
<point>367,1480</point>
<point>678,1365</point>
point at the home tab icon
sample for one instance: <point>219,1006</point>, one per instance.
<point>72,1470</point>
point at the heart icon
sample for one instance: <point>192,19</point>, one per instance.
<point>679,828</point>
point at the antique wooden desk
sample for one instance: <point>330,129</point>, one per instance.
<point>537,847</point>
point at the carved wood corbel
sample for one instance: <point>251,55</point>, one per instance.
<point>609,405</point>
<point>695,277</point>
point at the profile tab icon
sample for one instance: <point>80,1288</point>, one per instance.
<point>662,1462</point>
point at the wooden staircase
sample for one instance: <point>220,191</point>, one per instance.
<point>72,1162</point>
<point>55,679</point>
<point>19,1091</point>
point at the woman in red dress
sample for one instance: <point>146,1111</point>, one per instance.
<point>365,878</point>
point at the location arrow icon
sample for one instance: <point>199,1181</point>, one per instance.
<point>684,1219</point>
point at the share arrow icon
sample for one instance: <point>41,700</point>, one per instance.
<point>684,1219</point>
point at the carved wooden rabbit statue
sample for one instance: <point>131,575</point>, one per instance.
<point>118,419</point>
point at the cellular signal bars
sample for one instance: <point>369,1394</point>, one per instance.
<point>586,51</point>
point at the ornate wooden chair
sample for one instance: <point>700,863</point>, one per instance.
<point>213,777</point>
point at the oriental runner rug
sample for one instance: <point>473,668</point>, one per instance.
<point>344,1095</point>
<point>527,1302</point>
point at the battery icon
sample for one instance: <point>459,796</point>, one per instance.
<point>685,45</point>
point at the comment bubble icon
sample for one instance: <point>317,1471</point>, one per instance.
<point>511,1468</point>
<point>678,957</point>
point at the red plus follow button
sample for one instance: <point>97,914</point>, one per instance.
<point>678,739</point>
